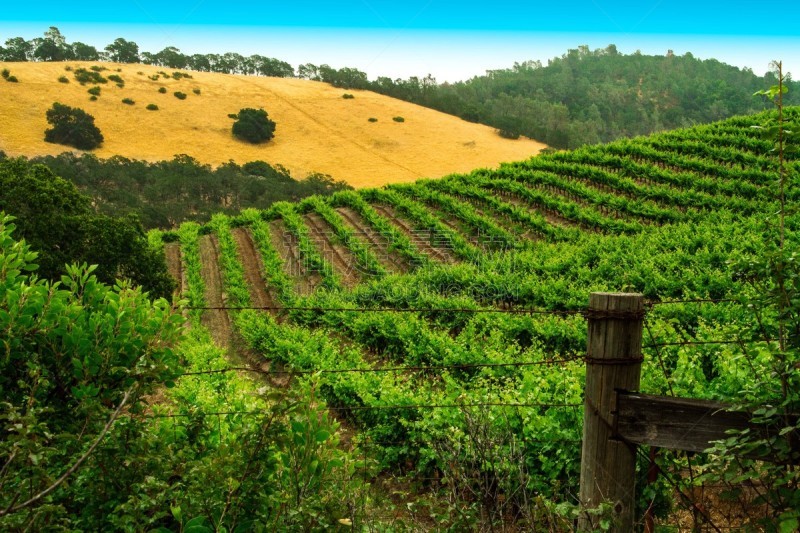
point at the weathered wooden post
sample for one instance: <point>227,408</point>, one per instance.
<point>613,362</point>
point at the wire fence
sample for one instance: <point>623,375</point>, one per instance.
<point>693,505</point>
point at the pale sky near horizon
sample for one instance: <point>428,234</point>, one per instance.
<point>450,40</point>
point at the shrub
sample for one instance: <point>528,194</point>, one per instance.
<point>508,134</point>
<point>162,90</point>
<point>97,68</point>
<point>5,73</point>
<point>152,107</point>
<point>398,119</point>
<point>88,76</point>
<point>72,127</point>
<point>348,96</point>
<point>128,101</point>
<point>63,79</point>
<point>118,80</point>
<point>234,116</point>
<point>93,98</point>
<point>12,79</point>
<point>94,91</point>
<point>179,95</point>
<point>68,68</point>
<point>196,91</point>
<point>253,125</point>
<point>179,75</point>
<point>372,119</point>
<point>154,77</point>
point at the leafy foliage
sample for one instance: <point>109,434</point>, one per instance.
<point>74,352</point>
<point>60,224</point>
<point>84,76</point>
<point>165,193</point>
<point>253,126</point>
<point>72,126</point>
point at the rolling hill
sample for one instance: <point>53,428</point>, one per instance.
<point>317,129</point>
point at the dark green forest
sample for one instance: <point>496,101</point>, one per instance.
<point>166,193</point>
<point>585,96</point>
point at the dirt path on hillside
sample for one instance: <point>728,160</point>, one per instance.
<point>379,244</point>
<point>215,320</point>
<point>340,258</point>
<point>420,239</point>
<point>286,245</point>
<point>253,269</point>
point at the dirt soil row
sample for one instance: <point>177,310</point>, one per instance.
<point>172,253</point>
<point>343,261</point>
<point>260,296</point>
<point>438,252</point>
<point>286,245</point>
<point>379,244</point>
<point>215,320</point>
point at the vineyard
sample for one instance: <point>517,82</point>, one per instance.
<point>441,322</point>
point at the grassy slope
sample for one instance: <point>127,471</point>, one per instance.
<point>318,130</point>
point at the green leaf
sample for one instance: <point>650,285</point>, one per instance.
<point>323,435</point>
<point>197,525</point>
<point>789,525</point>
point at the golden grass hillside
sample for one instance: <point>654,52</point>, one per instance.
<point>317,130</point>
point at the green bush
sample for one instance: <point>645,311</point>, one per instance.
<point>5,73</point>
<point>128,101</point>
<point>84,76</point>
<point>117,79</point>
<point>152,107</point>
<point>154,77</point>
<point>93,98</point>
<point>94,91</point>
<point>372,119</point>
<point>12,79</point>
<point>253,126</point>
<point>179,95</point>
<point>179,75</point>
<point>348,96</point>
<point>398,119</point>
<point>507,134</point>
<point>234,116</point>
<point>98,68</point>
<point>63,79</point>
<point>196,91</point>
<point>68,68</point>
<point>72,127</point>
<point>162,90</point>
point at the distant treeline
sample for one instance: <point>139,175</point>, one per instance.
<point>583,97</point>
<point>165,193</point>
<point>53,46</point>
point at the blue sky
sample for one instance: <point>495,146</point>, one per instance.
<point>449,39</point>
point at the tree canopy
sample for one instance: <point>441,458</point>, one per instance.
<point>253,126</point>
<point>72,127</point>
<point>59,223</point>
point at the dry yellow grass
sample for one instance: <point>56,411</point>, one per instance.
<point>317,130</point>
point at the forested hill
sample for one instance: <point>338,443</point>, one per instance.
<point>591,96</point>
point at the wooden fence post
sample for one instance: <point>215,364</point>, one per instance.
<point>613,362</point>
